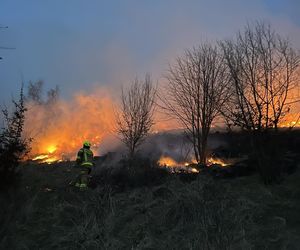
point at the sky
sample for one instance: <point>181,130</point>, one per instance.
<point>80,44</point>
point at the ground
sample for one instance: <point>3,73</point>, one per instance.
<point>45,212</point>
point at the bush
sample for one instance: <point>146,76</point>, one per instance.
<point>272,153</point>
<point>13,147</point>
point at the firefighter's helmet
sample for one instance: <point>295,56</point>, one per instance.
<point>87,144</point>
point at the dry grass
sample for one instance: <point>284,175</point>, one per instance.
<point>45,213</point>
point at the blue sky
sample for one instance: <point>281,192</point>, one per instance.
<point>78,44</point>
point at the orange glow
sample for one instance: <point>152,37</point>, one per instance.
<point>51,149</point>
<point>290,120</point>
<point>211,161</point>
<point>51,160</point>
<point>289,124</point>
<point>174,166</point>
<point>40,157</point>
<point>168,161</point>
<point>46,159</point>
<point>59,129</point>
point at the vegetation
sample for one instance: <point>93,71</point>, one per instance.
<point>238,213</point>
<point>13,147</point>
<point>196,90</point>
<point>263,71</point>
<point>135,204</point>
<point>35,94</point>
<point>135,117</point>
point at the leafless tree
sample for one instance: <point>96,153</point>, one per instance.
<point>263,76</point>
<point>35,94</point>
<point>263,70</point>
<point>196,89</point>
<point>53,95</point>
<point>35,91</point>
<point>135,117</point>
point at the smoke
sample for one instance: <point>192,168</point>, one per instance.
<point>59,127</point>
<point>175,144</point>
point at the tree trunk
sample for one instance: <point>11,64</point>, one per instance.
<point>203,153</point>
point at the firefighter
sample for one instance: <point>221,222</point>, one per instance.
<point>85,162</point>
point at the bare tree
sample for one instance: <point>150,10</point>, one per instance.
<point>53,95</point>
<point>35,91</point>
<point>263,75</point>
<point>263,71</point>
<point>135,118</point>
<point>196,89</point>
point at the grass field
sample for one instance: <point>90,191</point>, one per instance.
<point>44,212</point>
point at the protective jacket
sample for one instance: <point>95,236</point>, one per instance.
<point>85,157</point>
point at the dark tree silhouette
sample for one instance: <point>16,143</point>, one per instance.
<point>13,147</point>
<point>263,73</point>
<point>196,89</point>
<point>135,118</point>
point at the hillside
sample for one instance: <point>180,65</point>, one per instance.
<point>44,212</point>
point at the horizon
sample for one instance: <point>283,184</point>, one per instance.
<point>80,46</point>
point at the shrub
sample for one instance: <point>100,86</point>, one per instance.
<point>13,147</point>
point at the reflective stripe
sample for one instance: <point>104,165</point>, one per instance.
<point>85,156</point>
<point>87,164</point>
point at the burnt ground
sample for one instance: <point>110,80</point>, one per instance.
<point>44,212</point>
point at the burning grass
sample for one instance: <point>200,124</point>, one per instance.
<point>49,159</point>
<point>174,166</point>
<point>191,166</point>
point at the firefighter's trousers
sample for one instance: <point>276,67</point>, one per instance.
<point>83,178</point>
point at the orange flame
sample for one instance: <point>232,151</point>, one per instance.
<point>218,161</point>
<point>290,120</point>
<point>51,149</point>
<point>40,157</point>
<point>166,161</point>
<point>59,129</point>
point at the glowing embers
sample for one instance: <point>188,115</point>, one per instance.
<point>216,161</point>
<point>174,166</point>
<point>189,167</point>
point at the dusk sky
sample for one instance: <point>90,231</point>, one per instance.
<point>79,44</point>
